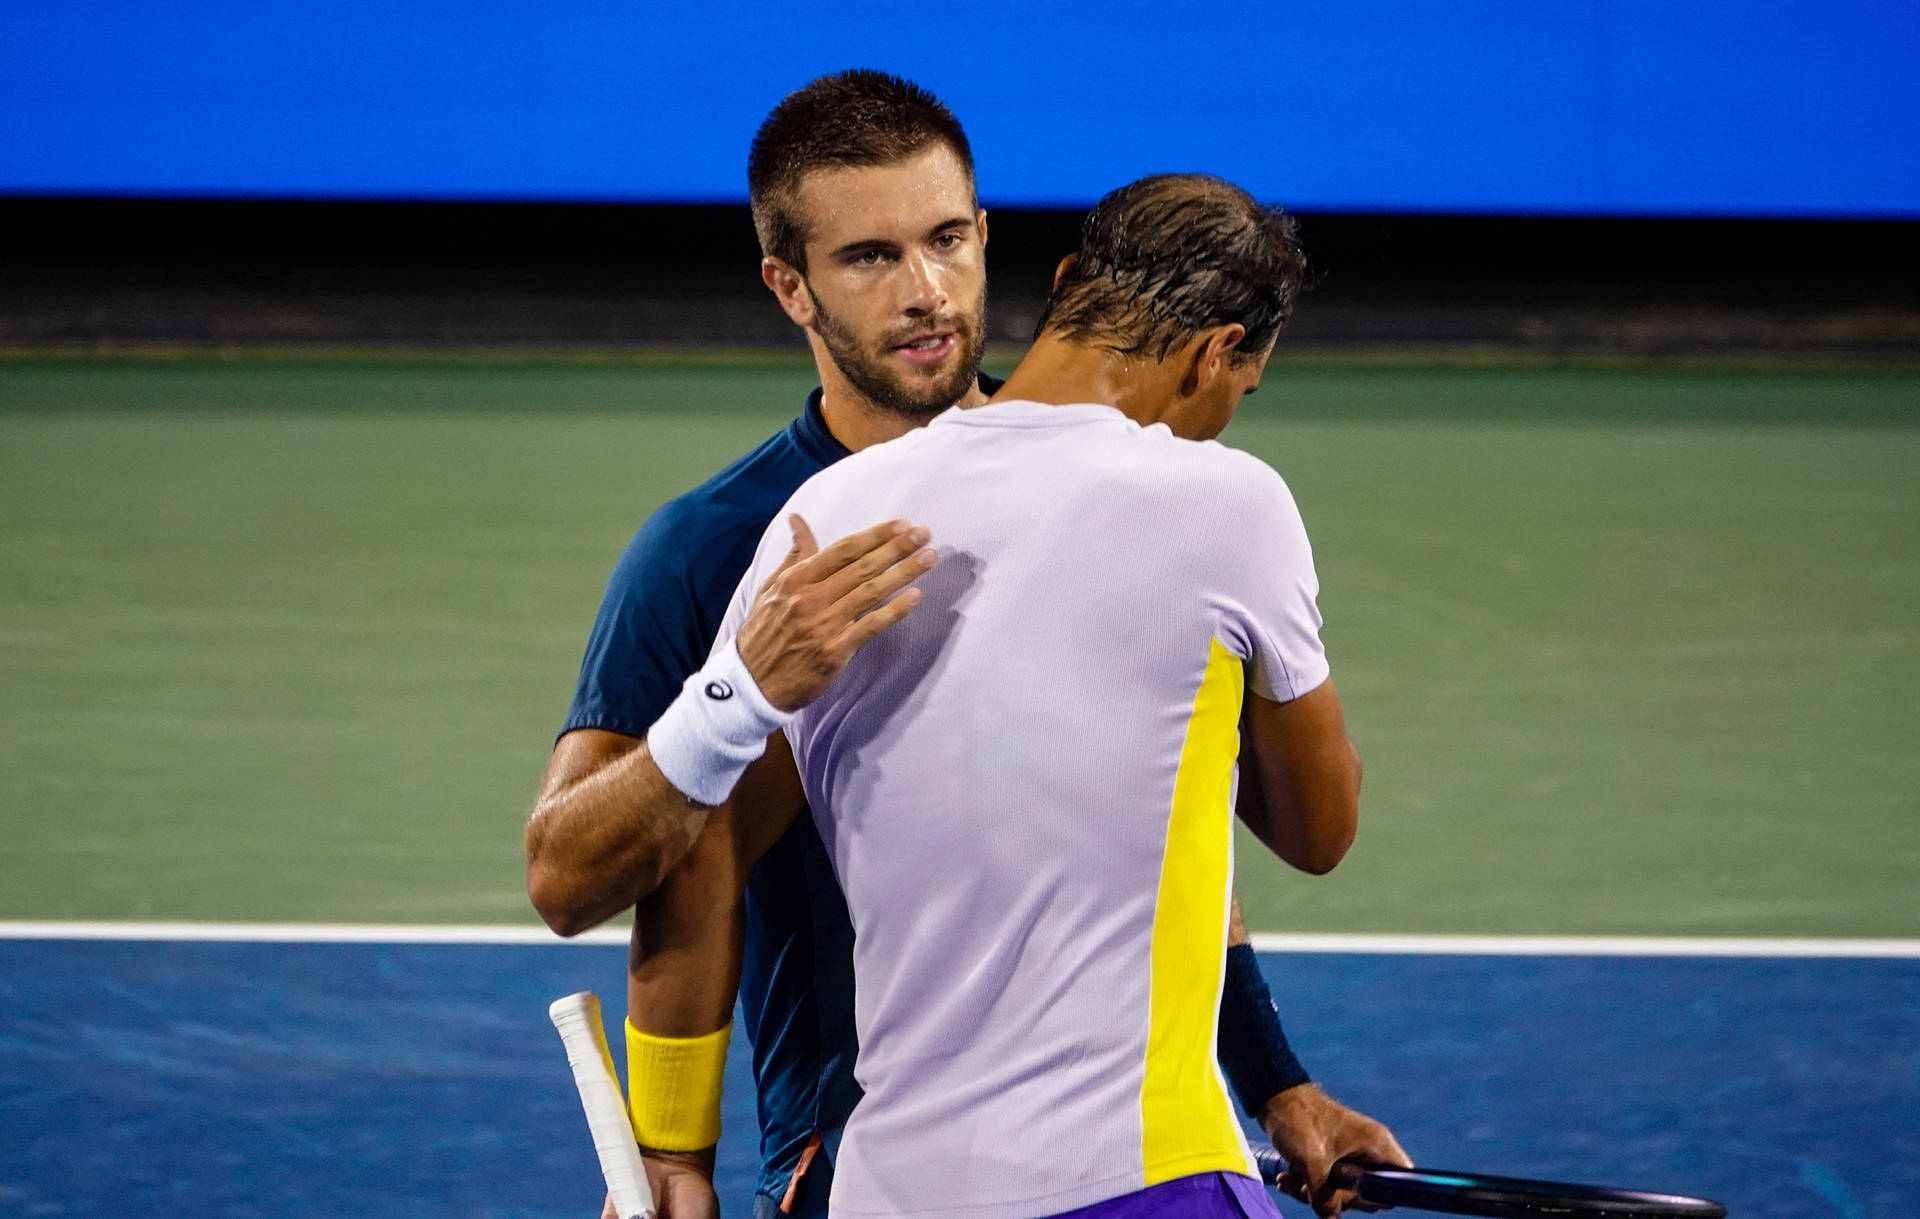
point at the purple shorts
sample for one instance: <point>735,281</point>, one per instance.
<point>1207,1195</point>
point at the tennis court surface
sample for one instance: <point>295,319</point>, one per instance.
<point>163,1077</point>
<point>1630,651</point>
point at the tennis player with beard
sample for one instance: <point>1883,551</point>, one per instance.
<point>864,200</point>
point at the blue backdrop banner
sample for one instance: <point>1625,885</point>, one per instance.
<point>1587,107</point>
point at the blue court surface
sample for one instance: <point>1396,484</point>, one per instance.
<point>181,1078</point>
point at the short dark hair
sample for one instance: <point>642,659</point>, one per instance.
<point>855,118</point>
<point>1165,257</point>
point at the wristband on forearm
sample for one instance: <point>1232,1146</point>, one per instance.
<point>1253,1048</point>
<point>673,1088</point>
<point>715,729</point>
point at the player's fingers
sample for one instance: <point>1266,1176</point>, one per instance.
<point>1293,1185</point>
<point>862,568</point>
<point>803,544</point>
<point>803,547</point>
<point>862,597</point>
<point>1377,1151</point>
<point>872,566</point>
<point>1385,1149</point>
<point>1371,1146</point>
<point>1329,1202</point>
<point>1312,1168</point>
<point>609,1211</point>
<point>1334,1189</point>
<point>820,567</point>
<point>858,632</point>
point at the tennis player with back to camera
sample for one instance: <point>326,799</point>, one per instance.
<point>1026,784</point>
<point>864,198</point>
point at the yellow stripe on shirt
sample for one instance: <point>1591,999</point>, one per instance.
<point>1187,1119</point>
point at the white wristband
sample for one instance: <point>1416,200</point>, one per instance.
<point>715,729</point>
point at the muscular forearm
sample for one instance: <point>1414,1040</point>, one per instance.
<point>1311,1129</point>
<point>683,969</point>
<point>1300,779</point>
<point>1310,823</point>
<point>607,829</point>
<point>683,965</point>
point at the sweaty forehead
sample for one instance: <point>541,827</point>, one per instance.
<point>900,201</point>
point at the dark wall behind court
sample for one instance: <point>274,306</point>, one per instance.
<point>92,271</point>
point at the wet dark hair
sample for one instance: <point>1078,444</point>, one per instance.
<point>855,118</point>
<point>1173,254</point>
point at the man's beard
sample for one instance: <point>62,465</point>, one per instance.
<point>871,373</point>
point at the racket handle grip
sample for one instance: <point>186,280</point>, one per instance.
<point>1271,1164</point>
<point>577,1017</point>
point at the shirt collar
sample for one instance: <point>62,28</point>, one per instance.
<point>1022,414</point>
<point>817,439</point>
<point>811,432</point>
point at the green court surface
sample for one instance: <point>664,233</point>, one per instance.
<point>1627,650</point>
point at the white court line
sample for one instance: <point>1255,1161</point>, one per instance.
<point>1585,946</point>
<point>305,933</point>
<point>1459,945</point>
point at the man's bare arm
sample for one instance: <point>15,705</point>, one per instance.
<point>1300,778</point>
<point>608,825</point>
<point>683,966</point>
<point>605,830</point>
<point>683,963</point>
<point>1300,793</point>
<point>1314,1132</point>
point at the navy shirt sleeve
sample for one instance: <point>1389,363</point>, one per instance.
<point>659,616</point>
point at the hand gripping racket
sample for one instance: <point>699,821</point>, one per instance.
<point>1472,1193</point>
<point>578,1019</point>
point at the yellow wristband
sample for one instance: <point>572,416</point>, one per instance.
<point>673,1087</point>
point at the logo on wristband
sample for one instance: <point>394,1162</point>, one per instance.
<point>719,690</point>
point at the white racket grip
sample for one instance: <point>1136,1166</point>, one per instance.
<point>578,1019</point>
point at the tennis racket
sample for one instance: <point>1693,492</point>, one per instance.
<point>578,1019</point>
<point>1471,1193</point>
